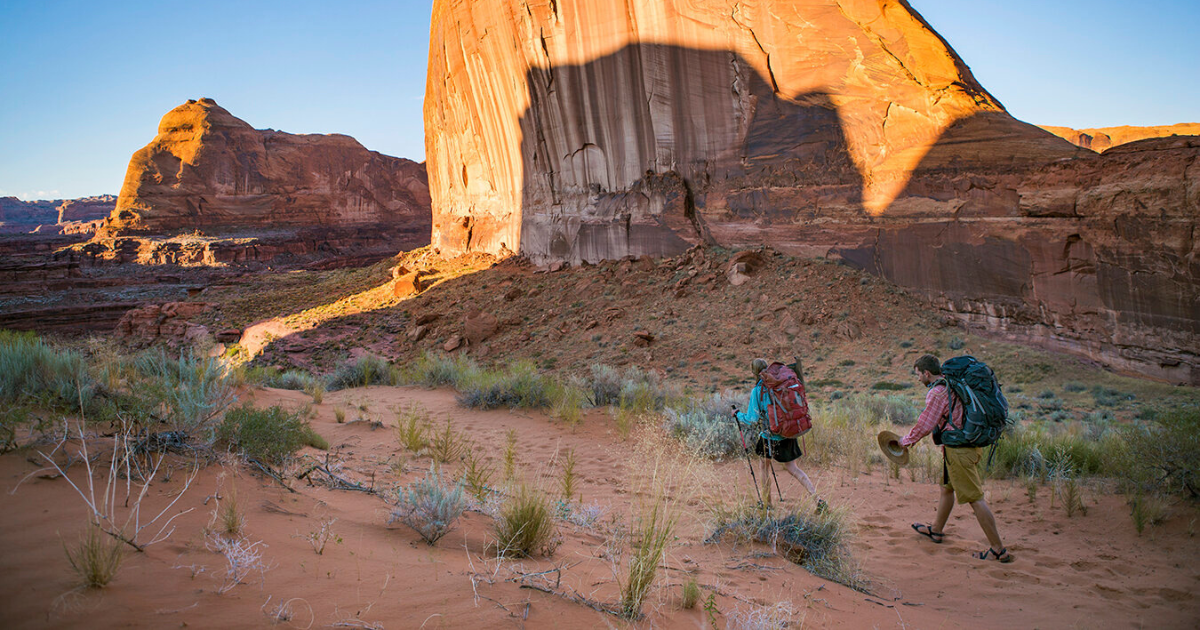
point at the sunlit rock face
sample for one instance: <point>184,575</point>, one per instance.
<point>1102,138</point>
<point>207,169</point>
<point>584,130</point>
<point>589,130</point>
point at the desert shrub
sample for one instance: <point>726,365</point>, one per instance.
<point>635,389</point>
<point>194,390</point>
<point>1047,394</point>
<point>440,370</point>
<point>706,427</point>
<point>519,385</point>
<point>890,386</point>
<point>1025,450</point>
<point>817,542</point>
<point>316,390</point>
<point>429,506</point>
<point>10,419</point>
<point>890,409</point>
<point>295,380</point>
<point>1164,454</point>
<point>366,370</point>
<point>270,435</point>
<point>525,525</point>
<point>1074,387</point>
<point>1108,397</point>
<point>95,558</point>
<point>957,343</point>
<point>33,371</point>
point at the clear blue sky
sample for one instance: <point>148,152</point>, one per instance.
<point>83,84</point>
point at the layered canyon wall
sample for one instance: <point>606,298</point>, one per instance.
<point>573,131</point>
<point>209,170</point>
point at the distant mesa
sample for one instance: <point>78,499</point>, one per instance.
<point>71,216</point>
<point>1103,138</point>
<point>209,170</point>
<point>581,131</point>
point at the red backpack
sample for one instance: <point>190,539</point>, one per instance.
<point>787,415</point>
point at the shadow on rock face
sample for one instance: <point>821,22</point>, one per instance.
<point>625,154</point>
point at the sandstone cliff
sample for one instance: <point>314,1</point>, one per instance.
<point>583,131</point>
<point>1102,138</point>
<point>207,169</point>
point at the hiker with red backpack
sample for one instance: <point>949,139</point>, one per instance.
<point>779,410</point>
<point>965,411</point>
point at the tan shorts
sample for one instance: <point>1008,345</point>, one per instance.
<point>962,473</point>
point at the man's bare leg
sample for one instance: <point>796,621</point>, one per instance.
<point>987,521</point>
<point>945,505</point>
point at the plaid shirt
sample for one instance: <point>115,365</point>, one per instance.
<point>937,400</point>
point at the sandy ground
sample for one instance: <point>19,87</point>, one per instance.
<point>1087,571</point>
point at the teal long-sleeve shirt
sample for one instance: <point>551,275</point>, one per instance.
<point>756,410</point>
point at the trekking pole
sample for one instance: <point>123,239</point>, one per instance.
<point>771,456</point>
<point>746,452</point>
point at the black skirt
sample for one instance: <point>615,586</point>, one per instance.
<point>782,451</point>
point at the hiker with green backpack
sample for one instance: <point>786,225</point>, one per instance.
<point>965,411</point>
<point>778,409</point>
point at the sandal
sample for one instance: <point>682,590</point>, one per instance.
<point>1002,555</point>
<point>928,532</point>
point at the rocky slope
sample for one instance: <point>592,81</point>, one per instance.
<point>206,169</point>
<point>579,132</point>
<point>1103,138</point>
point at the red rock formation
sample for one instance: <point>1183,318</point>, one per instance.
<point>582,131</point>
<point>207,169</point>
<point>1103,138</point>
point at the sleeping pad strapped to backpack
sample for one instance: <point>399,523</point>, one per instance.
<point>985,411</point>
<point>787,415</point>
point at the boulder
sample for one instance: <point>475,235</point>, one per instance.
<point>453,343</point>
<point>479,326</point>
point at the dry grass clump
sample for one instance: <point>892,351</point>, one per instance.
<point>412,427</point>
<point>1147,510</point>
<point>448,445</point>
<point>510,453</point>
<point>569,478</point>
<point>525,526</point>
<point>817,542</point>
<point>654,529</point>
<point>429,506</point>
<point>228,518</point>
<point>753,617</point>
<point>95,558</point>
<point>689,594</point>
<point>477,476</point>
